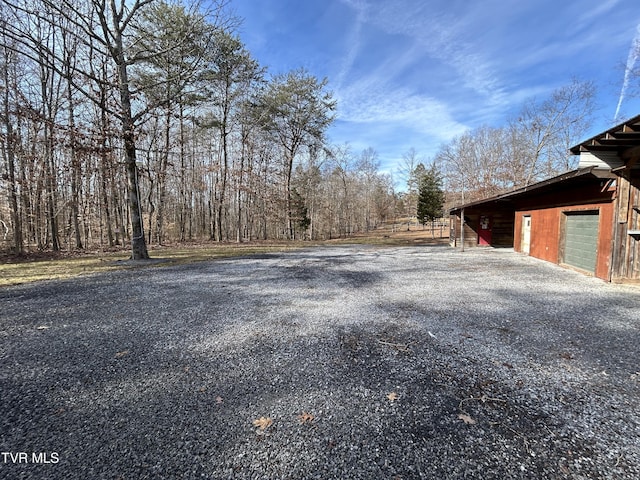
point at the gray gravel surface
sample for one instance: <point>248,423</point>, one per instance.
<point>368,363</point>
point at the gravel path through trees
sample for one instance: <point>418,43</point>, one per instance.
<point>350,362</point>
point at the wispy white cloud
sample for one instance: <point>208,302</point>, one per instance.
<point>354,38</point>
<point>588,15</point>
<point>379,101</point>
<point>367,103</point>
<point>445,37</point>
<point>432,41</point>
<point>414,73</point>
<point>440,67</point>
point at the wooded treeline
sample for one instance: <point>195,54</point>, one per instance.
<point>148,121</point>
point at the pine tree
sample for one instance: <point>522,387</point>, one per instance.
<point>430,195</point>
<point>300,212</point>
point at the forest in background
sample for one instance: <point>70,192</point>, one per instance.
<point>145,122</point>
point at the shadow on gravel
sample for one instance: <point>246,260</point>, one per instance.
<point>366,367</point>
<point>592,331</point>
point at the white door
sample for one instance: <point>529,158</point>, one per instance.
<point>525,243</point>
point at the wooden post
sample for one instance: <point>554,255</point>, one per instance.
<point>462,230</point>
<point>621,250</point>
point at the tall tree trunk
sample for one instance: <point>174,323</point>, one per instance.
<point>223,186</point>
<point>17,244</point>
<point>50,189</point>
<point>48,161</point>
<point>9,148</point>
<point>107,180</point>
<point>116,197</point>
<point>76,170</point>
<point>105,197</point>
<point>239,189</point>
<point>162,177</point>
<point>289,170</point>
<point>26,195</point>
<point>183,181</point>
<point>114,20</point>
<point>138,241</point>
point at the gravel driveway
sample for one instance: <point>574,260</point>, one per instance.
<point>351,362</point>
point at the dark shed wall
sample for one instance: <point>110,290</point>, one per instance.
<point>501,226</point>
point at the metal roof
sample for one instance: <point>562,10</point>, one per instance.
<point>582,175</point>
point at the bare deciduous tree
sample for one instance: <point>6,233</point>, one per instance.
<point>115,111</point>
<point>488,160</point>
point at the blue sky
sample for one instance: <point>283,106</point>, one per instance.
<point>416,73</point>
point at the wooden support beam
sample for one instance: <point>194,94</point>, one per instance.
<point>462,229</point>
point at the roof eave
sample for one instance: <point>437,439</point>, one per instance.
<point>617,139</point>
<point>593,171</point>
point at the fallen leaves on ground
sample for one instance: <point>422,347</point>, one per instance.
<point>393,396</point>
<point>219,399</point>
<point>466,419</point>
<point>263,423</point>
<point>305,418</point>
<point>123,353</point>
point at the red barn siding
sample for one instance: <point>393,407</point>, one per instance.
<point>546,233</point>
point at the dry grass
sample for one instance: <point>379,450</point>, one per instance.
<point>25,269</point>
<point>49,266</point>
<point>396,237</point>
